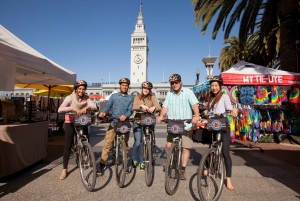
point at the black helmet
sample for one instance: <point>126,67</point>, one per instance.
<point>147,85</point>
<point>175,78</point>
<point>216,79</point>
<point>80,83</point>
<point>124,80</point>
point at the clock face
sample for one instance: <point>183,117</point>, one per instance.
<point>138,59</point>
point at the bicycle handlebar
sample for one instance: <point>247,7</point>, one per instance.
<point>186,120</point>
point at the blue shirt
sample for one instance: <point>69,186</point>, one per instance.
<point>121,104</point>
<point>180,105</point>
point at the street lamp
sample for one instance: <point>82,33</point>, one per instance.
<point>197,76</point>
<point>209,64</point>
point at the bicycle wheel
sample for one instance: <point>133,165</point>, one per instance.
<point>121,163</point>
<point>210,178</point>
<point>87,166</point>
<point>148,163</point>
<point>172,170</point>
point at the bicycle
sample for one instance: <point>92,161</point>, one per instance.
<point>84,155</point>
<point>119,151</point>
<point>211,170</point>
<point>147,123</point>
<point>173,162</point>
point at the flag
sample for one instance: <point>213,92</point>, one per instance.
<point>141,5</point>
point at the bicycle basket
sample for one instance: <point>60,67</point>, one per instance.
<point>148,120</point>
<point>175,127</point>
<point>122,127</point>
<point>219,124</point>
<point>83,120</point>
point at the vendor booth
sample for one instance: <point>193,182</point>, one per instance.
<point>267,100</point>
<point>26,143</point>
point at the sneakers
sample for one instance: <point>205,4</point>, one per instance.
<point>100,169</point>
<point>63,174</point>
<point>142,166</point>
<point>134,164</point>
<point>183,175</point>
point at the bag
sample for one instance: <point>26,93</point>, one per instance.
<point>175,127</point>
<point>200,135</point>
<point>148,120</point>
<point>83,120</point>
<point>122,127</point>
<point>219,124</point>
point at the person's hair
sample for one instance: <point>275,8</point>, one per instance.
<point>142,96</point>
<point>213,99</point>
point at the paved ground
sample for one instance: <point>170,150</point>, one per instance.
<point>272,175</point>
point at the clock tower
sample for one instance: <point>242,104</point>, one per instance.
<point>139,52</point>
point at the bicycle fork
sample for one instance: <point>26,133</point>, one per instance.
<point>177,140</point>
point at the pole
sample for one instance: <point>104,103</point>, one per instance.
<point>109,77</point>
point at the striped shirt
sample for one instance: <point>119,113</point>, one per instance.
<point>180,105</point>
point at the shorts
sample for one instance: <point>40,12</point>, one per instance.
<point>187,141</point>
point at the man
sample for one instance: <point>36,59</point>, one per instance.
<point>179,103</point>
<point>121,104</point>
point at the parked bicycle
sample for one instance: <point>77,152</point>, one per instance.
<point>119,150</point>
<point>173,162</point>
<point>147,122</point>
<point>211,171</point>
<point>84,155</point>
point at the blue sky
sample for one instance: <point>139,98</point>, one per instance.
<point>92,37</point>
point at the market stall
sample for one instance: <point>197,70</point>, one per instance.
<point>267,99</point>
<point>21,64</point>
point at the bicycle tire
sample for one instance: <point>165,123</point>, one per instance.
<point>212,180</point>
<point>148,163</point>
<point>172,171</point>
<point>121,163</point>
<point>87,166</point>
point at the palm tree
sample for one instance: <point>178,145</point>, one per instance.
<point>269,13</point>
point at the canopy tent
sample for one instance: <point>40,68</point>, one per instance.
<point>31,67</point>
<point>244,73</point>
<point>201,87</point>
<point>107,97</point>
<point>96,96</point>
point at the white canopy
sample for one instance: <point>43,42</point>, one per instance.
<point>107,97</point>
<point>31,66</point>
<point>244,73</point>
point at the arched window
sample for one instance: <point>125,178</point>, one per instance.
<point>91,93</point>
<point>17,94</point>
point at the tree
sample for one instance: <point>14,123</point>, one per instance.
<point>269,14</point>
<point>234,53</point>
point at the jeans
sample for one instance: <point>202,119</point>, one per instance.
<point>138,143</point>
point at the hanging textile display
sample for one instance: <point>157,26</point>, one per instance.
<point>294,95</point>
<point>262,95</point>
<point>247,95</point>
<point>233,94</point>
<point>279,94</point>
<point>225,90</point>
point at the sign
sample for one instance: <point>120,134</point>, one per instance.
<point>260,79</point>
<point>99,84</point>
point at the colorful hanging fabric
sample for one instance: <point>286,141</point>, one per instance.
<point>225,90</point>
<point>274,94</point>
<point>247,95</point>
<point>262,95</point>
<point>233,94</point>
<point>294,95</point>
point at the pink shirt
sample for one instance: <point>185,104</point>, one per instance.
<point>66,107</point>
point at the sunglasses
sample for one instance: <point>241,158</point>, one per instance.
<point>172,83</point>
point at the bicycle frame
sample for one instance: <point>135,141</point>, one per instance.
<point>148,134</point>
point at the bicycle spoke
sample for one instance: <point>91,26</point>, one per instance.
<point>87,166</point>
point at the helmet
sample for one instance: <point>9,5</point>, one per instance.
<point>147,85</point>
<point>216,79</point>
<point>80,83</point>
<point>174,78</point>
<point>124,80</point>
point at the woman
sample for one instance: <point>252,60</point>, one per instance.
<point>147,103</point>
<point>218,103</point>
<point>78,102</point>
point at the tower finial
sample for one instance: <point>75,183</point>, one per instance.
<point>141,6</point>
